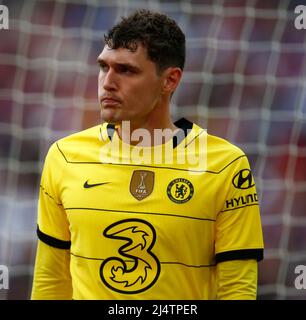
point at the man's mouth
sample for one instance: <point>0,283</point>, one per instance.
<point>110,102</point>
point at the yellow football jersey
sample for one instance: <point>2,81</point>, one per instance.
<point>145,227</point>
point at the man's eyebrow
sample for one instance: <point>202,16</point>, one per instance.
<point>118,64</point>
<point>100,60</point>
<point>128,65</point>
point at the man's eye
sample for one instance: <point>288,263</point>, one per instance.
<point>124,69</point>
<point>104,67</point>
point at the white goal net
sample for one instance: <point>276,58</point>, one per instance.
<point>244,81</point>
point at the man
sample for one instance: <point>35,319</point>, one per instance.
<point>115,222</point>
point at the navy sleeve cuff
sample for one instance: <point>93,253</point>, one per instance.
<point>51,241</point>
<point>256,254</point>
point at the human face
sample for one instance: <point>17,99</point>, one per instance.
<point>129,86</point>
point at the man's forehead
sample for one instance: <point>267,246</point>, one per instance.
<point>108,53</point>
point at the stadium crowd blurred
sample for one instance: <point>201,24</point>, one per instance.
<point>244,81</point>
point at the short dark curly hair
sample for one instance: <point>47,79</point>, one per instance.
<point>158,33</point>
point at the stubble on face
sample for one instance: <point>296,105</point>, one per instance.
<point>136,94</point>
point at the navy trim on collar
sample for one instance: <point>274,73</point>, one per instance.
<point>182,124</point>
<point>110,130</point>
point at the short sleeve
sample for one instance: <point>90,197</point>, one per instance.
<point>238,224</point>
<point>53,226</point>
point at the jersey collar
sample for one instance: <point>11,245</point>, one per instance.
<point>182,124</point>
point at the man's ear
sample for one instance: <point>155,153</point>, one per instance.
<point>172,77</point>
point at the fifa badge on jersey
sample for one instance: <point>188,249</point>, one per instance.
<point>142,184</point>
<point>180,190</point>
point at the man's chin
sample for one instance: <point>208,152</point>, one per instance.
<point>110,117</point>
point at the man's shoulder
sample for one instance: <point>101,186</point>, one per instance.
<point>76,146</point>
<point>222,154</point>
<point>215,153</point>
<point>217,144</point>
<point>82,136</point>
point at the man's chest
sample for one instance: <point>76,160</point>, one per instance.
<point>141,189</point>
<point>112,208</point>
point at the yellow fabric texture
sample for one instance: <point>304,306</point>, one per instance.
<point>52,279</point>
<point>143,230</point>
<point>237,280</point>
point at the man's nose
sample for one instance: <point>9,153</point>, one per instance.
<point>109,81</point>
